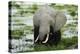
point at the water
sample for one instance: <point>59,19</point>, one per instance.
<point>23,20</point>
<point>69,34</point>
<point>23,44</point>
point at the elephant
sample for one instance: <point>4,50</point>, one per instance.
<point>47,25</point>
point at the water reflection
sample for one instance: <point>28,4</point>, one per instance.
<point>19,45</point>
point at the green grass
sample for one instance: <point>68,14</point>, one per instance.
<point>65,43</point>
<point>16,34</point>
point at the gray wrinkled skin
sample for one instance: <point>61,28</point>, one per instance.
<point>47,16</point>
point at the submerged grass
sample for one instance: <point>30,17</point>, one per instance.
<point>65,43</point>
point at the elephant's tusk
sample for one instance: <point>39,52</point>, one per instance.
<point>37,38</point>
<point>46,39</point>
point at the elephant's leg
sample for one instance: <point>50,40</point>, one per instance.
<point>57,37</point>
<point>36,32</point>
<point>54,37</point>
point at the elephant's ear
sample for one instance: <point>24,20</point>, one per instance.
<point>60,20</point>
